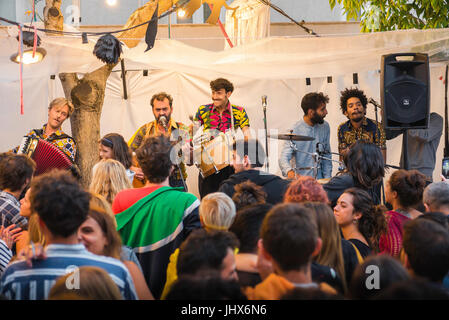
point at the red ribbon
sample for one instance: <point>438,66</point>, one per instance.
<point>35,41</point>
<point>34,11</point>
<point>222,28</point>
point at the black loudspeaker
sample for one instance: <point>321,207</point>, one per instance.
<point>405,91</point>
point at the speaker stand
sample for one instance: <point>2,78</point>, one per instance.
<point>405,149</point>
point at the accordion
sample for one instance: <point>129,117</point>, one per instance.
<point>46,155</point>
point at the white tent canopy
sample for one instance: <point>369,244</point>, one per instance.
<point>276,67</point>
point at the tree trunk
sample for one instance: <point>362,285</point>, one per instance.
<point>53,18</point>
<point>87,96</point>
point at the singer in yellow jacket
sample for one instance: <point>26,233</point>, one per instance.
<point>163,124</point>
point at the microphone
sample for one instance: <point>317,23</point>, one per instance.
<point>374,103</point>
<point>319,148</point>
<point>163,121</point>
<point>264,101</point>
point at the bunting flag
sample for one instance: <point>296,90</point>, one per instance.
<point>132,37</point>
<point>150,35</point>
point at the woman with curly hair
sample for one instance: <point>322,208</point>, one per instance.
<point>248,193</point>
<point>304,189</point>
<point>360,221</point>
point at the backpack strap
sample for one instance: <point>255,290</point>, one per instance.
<point>357,252</point>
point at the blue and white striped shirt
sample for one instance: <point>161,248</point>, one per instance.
<point>5,256</point>
<point>20,282</point>
<point>10,211</point>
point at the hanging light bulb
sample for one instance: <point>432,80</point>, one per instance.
<point>181,13</point>
<point>111,3</point>
<point>28,56</point>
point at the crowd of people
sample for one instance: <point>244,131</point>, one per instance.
<point>135,232</point>
<point>297,240</point>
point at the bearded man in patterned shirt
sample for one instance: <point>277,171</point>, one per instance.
<point>353,104</point>
<point>163,124</point>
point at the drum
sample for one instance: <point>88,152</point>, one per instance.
<point>211,157</point>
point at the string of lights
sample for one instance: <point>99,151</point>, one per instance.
<point>177,6</point>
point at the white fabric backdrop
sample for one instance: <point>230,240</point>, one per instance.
<point>276,67</point>
<point>250,22</point>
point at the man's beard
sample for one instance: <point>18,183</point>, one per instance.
<point>317,119</point>
<point>167,117</point>
<point>359,118</point>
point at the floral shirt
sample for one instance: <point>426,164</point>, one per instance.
<point>369,131</point>
<point>211,119</point>
<point>59,139</point>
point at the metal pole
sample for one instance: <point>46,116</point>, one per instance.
<point>125,93</point>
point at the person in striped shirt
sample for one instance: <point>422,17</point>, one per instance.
<point>62,206</point>
<point>16,171</point>
<point>7,238</point>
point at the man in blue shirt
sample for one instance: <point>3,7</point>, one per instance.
<point>312,125</point>
<point>62,206</point>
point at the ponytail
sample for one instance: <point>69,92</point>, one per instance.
<point>378,227</point>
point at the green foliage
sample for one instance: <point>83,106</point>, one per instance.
<point>384,15</point>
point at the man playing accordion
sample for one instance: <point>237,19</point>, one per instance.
<point>58,111</point>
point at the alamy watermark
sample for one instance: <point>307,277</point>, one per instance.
<point>73,279</point>
<point>373,280</point>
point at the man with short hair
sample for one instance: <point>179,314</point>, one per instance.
<point>426,247</point>
<point>208,252</point>
<point>16,171</point>
<point>312,125</point>
<point>59,110</point>
<point>289,240</point>
<point>436,197</point>
<point>248,157</point>
<point>62,206</point>
<point>163,124</point>
<point>219,117</point>
<point>353,104</point>
<point>155,220</point>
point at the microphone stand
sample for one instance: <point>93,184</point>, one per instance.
<point>182,178</point>
<point>316,158</point>
<point>264,104</point>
